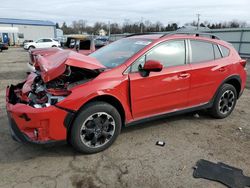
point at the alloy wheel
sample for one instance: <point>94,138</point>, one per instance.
<point>97,130</point>
<point>226,102</point>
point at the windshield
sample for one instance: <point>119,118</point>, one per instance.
<point>119,51</point>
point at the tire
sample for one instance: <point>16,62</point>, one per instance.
<point>31,47</point>
<point>224,102</point>
<point>1,50</point>
<point>54,46</point>
<point>95,128</point>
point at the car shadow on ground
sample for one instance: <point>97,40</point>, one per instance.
<point>202,115</point>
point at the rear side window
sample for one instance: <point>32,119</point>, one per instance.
<point>217,54</point>
<point>201,51</point>
<point>225,51</point>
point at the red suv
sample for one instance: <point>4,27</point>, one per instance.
<point>87,99</point>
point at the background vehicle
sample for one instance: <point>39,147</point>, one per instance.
<point>101,41</point>
<point>26,41</point>
<point>125,82</point>
<point>80,43</point>
<point>3,46</point>
<point>41,43</point>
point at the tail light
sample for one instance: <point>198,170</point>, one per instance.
<point>243,62</point>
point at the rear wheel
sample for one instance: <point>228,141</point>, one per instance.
<point>96,127</point>
<point>54,46</point>
<point>224,102</point>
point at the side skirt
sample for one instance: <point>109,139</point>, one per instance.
<point>162,116</point>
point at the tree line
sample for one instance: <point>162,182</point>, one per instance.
<point>81,26</point>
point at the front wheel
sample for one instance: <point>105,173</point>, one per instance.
<point>31,47</point>
<point>95,128</point>
<point>224,102</point>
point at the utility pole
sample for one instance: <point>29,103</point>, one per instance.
<point>198,22</point>
<point>141,24</point>
<point>109,29</point>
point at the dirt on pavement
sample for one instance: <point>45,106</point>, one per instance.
<point>133,160</point>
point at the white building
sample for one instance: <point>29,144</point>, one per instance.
<point>15,31</point>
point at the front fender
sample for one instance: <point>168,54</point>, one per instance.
<point>82,94</point>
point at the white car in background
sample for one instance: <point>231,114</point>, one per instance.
<point>42,43</point>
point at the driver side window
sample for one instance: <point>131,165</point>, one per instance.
<point>170,53</point>
<point>39,41</point>
<point>140,61</point>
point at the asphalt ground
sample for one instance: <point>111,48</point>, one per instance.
<point>133,160</point>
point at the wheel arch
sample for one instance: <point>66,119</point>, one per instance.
<point>31,46</point>
<point>234,80</point>
<point>110,100</point>
<point>70,118</point>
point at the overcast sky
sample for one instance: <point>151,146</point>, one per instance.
<point>165,11</point>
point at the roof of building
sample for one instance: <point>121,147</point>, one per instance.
<point>26,22</point>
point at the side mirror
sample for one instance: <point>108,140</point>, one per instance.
<point>150,66</point>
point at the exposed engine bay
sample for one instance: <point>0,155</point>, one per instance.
<point>38,94</point>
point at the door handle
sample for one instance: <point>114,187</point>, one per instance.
<point>222,69</point>
<point>184,75</point>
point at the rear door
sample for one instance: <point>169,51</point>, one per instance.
<point>163,91</point>
<point>208,71</point>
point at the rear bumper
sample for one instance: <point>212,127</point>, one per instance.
<point>36,125</point>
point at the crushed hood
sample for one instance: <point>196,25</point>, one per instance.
<point>55,65</point>
<point>45,51</point>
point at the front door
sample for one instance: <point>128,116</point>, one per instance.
<point>164,91</point>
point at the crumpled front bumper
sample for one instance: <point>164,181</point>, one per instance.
<point>36,125</point>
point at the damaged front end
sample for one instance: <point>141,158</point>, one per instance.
<point>31,105</point>
<point>38,94</point>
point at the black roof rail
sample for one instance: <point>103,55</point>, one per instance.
<point>138,34</point>
<point>197,34</point>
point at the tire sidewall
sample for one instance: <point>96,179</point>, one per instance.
<point>83,115</point>
<point>31,47</point>
<point>223,89</point>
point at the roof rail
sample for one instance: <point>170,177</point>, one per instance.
<point>148,33</point>
<point>195,33</point>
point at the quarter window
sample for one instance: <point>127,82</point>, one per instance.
<point>225,51</point>
<point>201,51</point>
<point>170,53</point>
<point>140,61</point>
<point>217,54</point>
